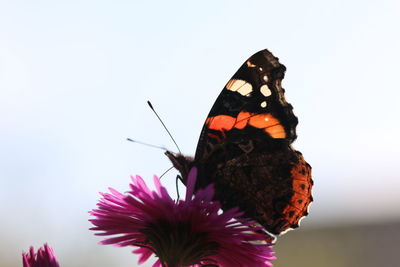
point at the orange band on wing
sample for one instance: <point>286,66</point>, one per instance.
<point>242,119</point>
<point>301,199</point>
<point>220,122</point>
<point>276,131</point>
<point>269,123</point>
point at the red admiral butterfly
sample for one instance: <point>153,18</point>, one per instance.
<point>245,148</point>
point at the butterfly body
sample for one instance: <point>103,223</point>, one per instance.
<point>245,148</point>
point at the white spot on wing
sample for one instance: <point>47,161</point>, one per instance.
<point>263,104</point>
<point>240,86</point>
<point>265,78</point>
<point>249,64</point>
<point>265,90</point>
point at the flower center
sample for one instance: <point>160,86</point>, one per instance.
<point>176,244</point>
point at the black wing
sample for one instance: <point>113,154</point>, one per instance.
<point>252,101</point>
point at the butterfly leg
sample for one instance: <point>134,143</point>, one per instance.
<point>178,177</point>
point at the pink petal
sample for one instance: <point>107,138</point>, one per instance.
<point>191,182</point>
<point>145,254</point>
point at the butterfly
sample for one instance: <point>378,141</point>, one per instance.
<point>245,149</point>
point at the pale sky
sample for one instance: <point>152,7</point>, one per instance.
<point>75,77</point>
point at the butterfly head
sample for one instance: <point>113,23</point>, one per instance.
<point>182,163</point>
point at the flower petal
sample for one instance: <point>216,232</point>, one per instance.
<point>191,182</point>
<point>190,232</point>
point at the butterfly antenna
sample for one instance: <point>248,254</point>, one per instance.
<point>165,172</point>
<point>146,144</point>
<point>176,181</point>
<point>165,127</point>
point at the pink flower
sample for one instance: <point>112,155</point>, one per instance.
<point>44,257</point>
<point>190,232</point>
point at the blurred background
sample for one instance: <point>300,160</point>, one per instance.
<point>75,77</point>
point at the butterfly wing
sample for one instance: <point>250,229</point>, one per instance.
<point>245,148</point>
<point>253,98</point>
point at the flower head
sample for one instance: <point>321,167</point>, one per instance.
<point>44,257</point>
<point>190,232</point>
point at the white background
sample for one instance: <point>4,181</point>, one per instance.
<point>75,77</point>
